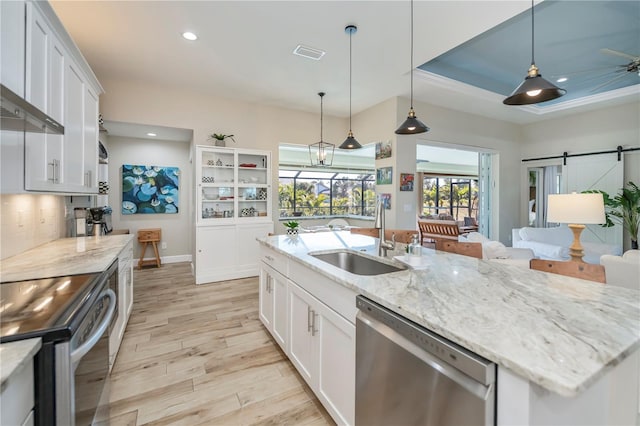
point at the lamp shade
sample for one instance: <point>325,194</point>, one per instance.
<point>534,90</point>
<point>575,208</point>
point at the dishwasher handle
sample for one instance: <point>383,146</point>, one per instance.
<point>476,388</point>
<point>77,354</point>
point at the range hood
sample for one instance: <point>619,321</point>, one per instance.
<point>18,114</point>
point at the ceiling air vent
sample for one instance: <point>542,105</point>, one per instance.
<point>309,52</point>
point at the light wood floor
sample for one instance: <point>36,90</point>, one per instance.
<point>199,355</point>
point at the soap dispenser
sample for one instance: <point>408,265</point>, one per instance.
<point>415,248</point>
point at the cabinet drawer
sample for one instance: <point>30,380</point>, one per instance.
<point>149,235</point>
<point>17,399</point>
<point>277,261</point>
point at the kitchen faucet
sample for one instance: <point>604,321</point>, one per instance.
<point>383,245</point>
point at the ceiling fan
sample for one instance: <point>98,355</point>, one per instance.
<point>621,70</point>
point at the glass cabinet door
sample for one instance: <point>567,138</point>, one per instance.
<point>253,188</point>
<point>217,193</point>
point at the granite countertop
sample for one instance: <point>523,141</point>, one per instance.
<point>66,256</point>
<point>14,355</point>
<point>559,332</point>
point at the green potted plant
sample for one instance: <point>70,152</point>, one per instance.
<point>624,208</point>
<point>220,138</point>
<point>292,227</point>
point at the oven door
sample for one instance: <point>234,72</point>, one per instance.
<point>82,365</point>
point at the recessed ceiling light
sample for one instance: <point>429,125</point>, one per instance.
<point>562,80</point>
<point>308,52</point>
<point>189,36</point>
<point>151,134</point>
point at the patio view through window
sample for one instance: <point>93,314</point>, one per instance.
<point>457,197</point>
<point>331,193</point>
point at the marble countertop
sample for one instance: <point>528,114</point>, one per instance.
<point>559,332</point>
<point>66,256</point>
<point>14,355</point>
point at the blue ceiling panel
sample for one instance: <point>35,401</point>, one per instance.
<point>591,43</point>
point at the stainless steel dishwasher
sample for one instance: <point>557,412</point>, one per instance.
<point>407,375</point>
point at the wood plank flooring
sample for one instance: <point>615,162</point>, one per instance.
<point>200,355</point>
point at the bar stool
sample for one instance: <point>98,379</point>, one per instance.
<point>145,237</point>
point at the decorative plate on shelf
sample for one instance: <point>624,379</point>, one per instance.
<point>247,165</point>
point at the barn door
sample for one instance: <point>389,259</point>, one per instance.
<point>603,172</point>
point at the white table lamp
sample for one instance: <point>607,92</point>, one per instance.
<point>576,210</point>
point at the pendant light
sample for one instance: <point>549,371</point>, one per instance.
<point>350,142</point>
<point>412,125</point>
<point>321,153</point>
<point>534,89</point>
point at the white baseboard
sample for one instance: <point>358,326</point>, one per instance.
<point>168,259</point>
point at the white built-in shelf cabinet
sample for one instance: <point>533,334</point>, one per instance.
<point>233,208</point>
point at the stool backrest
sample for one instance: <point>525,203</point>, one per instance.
<point>585,271</point>
<point>465,249</point>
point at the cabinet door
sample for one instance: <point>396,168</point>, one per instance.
<point>266,299</point>
<point>336,364</point>
<point>247,246</point>
<point>73,172</point>
<point>301,319</point>
<point>37,58</point>
<point>279,287</point>
<point>90,140</point>
<point>216,257</point>
<point>12,45</point>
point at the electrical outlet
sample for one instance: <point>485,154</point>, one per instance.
<point>163,245</point>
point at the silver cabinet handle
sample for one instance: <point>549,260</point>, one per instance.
<point>313,322</point>
<point>309,314</point>
<point>269,258</point>
<point>53,171</point>
<point>57,162</point>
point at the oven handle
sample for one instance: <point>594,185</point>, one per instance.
<point>82,350</point>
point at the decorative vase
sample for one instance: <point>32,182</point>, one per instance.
<point>634,245</point>
<point>292,231</point>
<point>219,142</point>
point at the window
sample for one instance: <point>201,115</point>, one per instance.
<point>314,193</point>
<point>457,197</point>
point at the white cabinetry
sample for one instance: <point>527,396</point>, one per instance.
<point>17,398</point>
<point>12,22</point>
<point>273,305</point>
<point>314,323</point>
<point>45,67</point>
<point>125,300</point>
<point>233,207</point>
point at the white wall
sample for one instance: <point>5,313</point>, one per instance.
<point>176,228</point>
<point>599,130</point>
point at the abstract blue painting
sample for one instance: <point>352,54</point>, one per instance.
<point>149,189</point>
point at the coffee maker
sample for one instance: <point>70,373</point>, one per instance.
<point>100,221</point>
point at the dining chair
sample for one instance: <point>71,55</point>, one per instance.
<point>465,249</point>
<point>585,271</point>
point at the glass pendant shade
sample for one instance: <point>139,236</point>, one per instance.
<point>411,125</point>
<point>534,89</point>
<point>350,142</point>
<point>321,153</point>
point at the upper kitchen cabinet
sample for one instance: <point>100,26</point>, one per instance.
<point>12,23</point>
<point>59,83</point>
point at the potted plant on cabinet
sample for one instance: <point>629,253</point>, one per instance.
<point>624,208</point>
<point>292,227</point>
<point>219,138</point>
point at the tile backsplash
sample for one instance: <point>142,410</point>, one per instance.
<point>27,221</point>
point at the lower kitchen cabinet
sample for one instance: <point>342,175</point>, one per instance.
<point>273,305</point>
<point>313,319</point>
<point>124,300</point>
<point>17,398</point>
<point>322,347</point>
<point>228,252</point>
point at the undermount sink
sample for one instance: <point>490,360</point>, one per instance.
<point>356,263</point>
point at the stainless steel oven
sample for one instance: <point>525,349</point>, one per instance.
<point>72,315</point>
<point>407,375</point>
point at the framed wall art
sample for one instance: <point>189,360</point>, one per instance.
<point>406,181</point>
<point>383,150</point>
<point>150,189</point>
<point>384,176</point>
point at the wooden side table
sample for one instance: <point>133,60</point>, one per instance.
<point>145,237</point>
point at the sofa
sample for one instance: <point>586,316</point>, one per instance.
<point>553,244</point>
<point>496,251</point>
<point>623,271</point>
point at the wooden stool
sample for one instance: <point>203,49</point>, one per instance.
<point>146,237</point>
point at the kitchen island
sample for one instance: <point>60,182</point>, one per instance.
<point>566,349</point>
